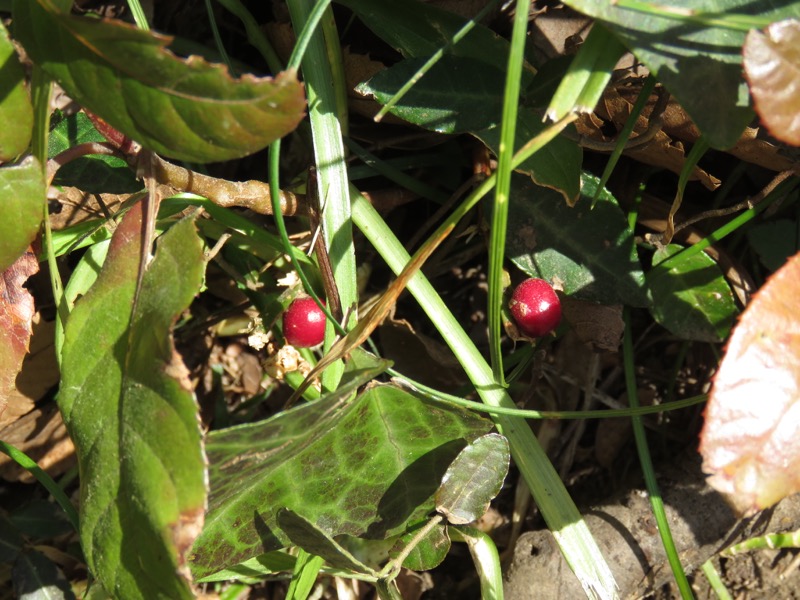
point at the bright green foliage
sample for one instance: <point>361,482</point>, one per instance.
<point>22,192</point>
<point>16,112</point>
<point>368,467</point>
<point>690,296</point>
<point>588,251</point>
<point>186,109</point>
<point>129,409</point>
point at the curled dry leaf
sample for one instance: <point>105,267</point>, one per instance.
<point>771,61</point>
<point>16,313</point>
<point>751,439</point>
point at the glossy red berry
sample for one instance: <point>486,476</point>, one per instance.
<point>304,323</point>
<point>535,307</point>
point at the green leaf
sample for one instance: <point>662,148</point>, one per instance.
<point>474,479</point>
<point>429,552</point>
<point>11,542</point>
<point>458,94</point>
<point>700,65</point>
<point>93,174</point>
<point>368,468</point>
<point>774,241</point>
<point>40,519</point>
<point>255,569</point>
<point>22,193</point>
<point>16,112</point>
<point>418,30</point>
<point>36,577</point>
<point>128,407</point>
<point>588,74</point>
<point>588,251</point>
<point>315,540</point>
<point>186,109</point>
<point>690,296</point>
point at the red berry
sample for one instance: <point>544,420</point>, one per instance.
<point>535,307</point>
<point>304,323</point>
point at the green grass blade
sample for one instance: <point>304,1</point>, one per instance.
<point>138,15</point>
<point>305,574</point>
<point>329,151</point>
<point>715,581</point>
<point>255,36</point>
<point>27,463</point>
<point>486,559</point>
<point>647,467</point>
<point>558,509</point>
<point>218,39</point>
<point>508,127</point>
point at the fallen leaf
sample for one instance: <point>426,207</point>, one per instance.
<point>751,439</point>
<point>771,62</point>
<point>16,313</point>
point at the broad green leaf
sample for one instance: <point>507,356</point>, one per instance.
<point>315,540</point>
<point>429,552</point>
<point>588,251</point>
<point>750,437</point>
<point>367,467</point>
<point>771,61</point>
<point>255,569</point>
<point>186,109</point>
<point>92,174</point>
<point>774,241</point>
<point>16,112</point>
<point>457,95</point>
<point>128,406</point>
<point>474,479</point>
<point>40,519</point>
<point>700,65</point>
<point>690,296</point>
<point>11,542</point>
<point>22,193</point>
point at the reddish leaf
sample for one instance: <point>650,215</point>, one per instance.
<point>751,439</point>
<point>771,62</point>
<point>16,312</point>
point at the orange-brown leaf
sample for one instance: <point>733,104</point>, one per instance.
<point>772,63</point>
<point>751,439</point>
<point>16,312</point>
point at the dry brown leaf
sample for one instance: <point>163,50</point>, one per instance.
<point>771,63</point>
<point>751,439</point>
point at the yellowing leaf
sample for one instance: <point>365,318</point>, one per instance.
<point>772,66</point>
<point>751,439</point>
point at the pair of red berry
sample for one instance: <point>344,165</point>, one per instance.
<point>534,305</point>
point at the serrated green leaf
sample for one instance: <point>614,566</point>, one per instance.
<point>16,112</point>
<point>368,468</point>
<point>128,406</point>
<point>22,193</point>
<point>186,109</point>
<point>93,174</point>
<point>700,65</point>
<point>690,296</point>
<point>473,479</point>
<point>588,251</point>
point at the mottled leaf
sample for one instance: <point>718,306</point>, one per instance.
<point>588,252</point>
<point>128,406</point>
<point>16,312</point>
<point>93,174</point>
<point>751,439</point>
<point>690,296</point>
<point>186,109</point>
<point>367,468</point>
<point>699,64</point>
<point>771,63</point>
<point>16,112</point>
<point>474,479</point>
<point>22,192</point>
